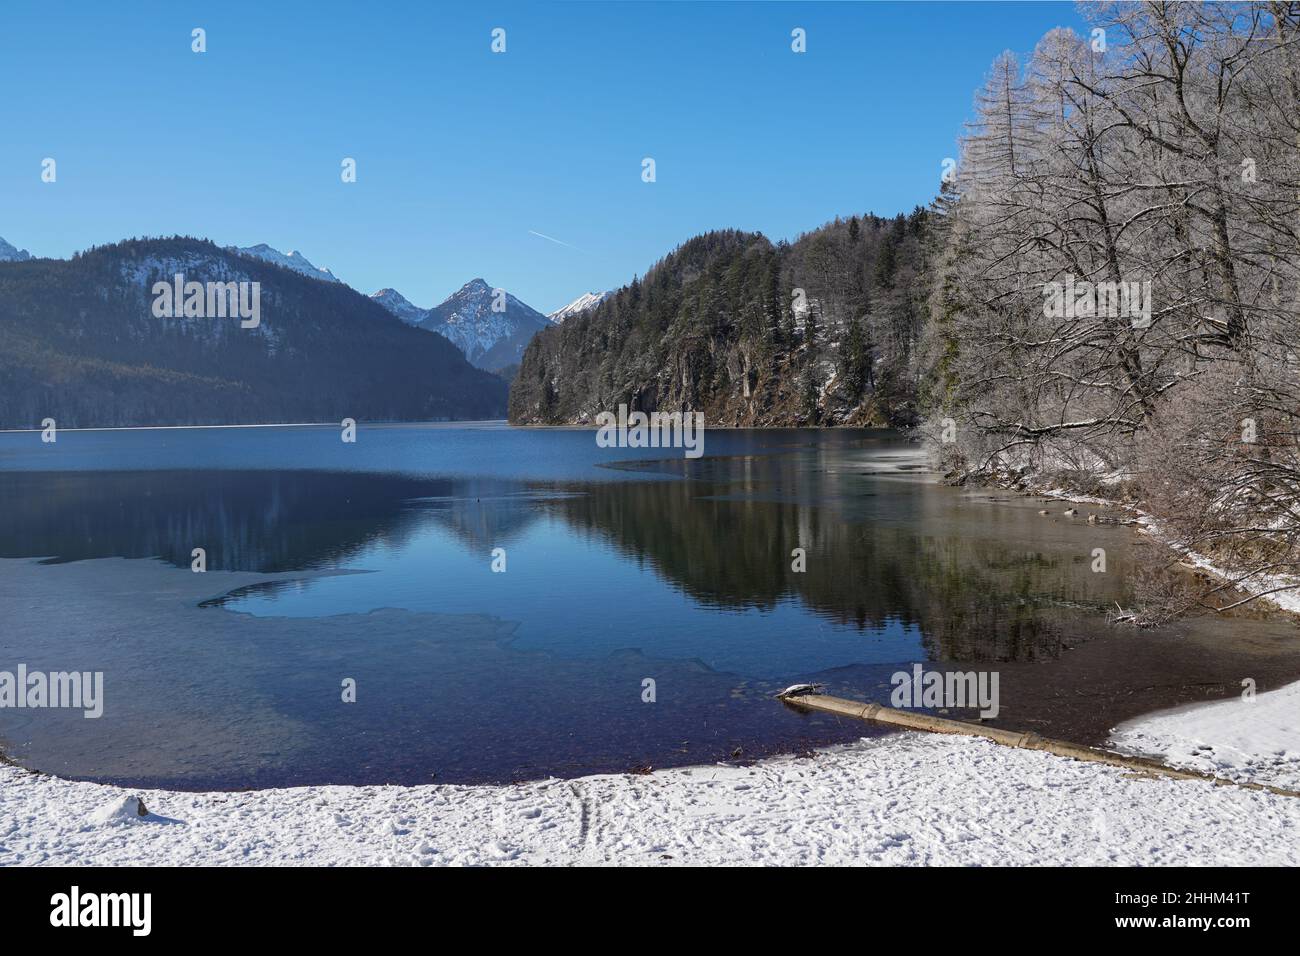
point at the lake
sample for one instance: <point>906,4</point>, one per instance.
<point>372,563</point>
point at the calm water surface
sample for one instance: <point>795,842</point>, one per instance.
<point>373,561</point>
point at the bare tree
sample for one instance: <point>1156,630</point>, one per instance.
<point>1160,157</point>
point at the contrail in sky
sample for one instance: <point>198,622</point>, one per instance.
<point>558,242</point>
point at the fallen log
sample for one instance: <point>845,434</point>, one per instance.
<point>1013,738</point>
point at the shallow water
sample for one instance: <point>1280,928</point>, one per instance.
<point>621,566</point>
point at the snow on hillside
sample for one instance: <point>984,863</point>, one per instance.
<point>490,338</point>
<point>140,275</point>
<point>468,319</point>
<point>588,300</point>
<point>10,253</point>
<point>400,306</point>
<point>294,260</point>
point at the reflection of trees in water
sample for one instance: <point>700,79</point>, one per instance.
<point>253,521</point>
<point>973,597</point>
<point>976,584</point>
<point>245,520</point>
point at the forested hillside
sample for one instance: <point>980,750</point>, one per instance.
<point>821,331</point>
<point>79,343</point>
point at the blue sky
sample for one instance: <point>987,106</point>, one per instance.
<point>462,154</point>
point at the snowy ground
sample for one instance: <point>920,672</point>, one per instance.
<point>1241,739</point>
<point>906,799</point>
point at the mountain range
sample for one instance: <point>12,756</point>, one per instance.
<point>821,331</point>
<point>491,331</point>
<point>81,341</point>
<point>489,325</point>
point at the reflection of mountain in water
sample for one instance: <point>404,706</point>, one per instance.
<point>486,514</point>
<point>245,520</point>
<point>979,582</point>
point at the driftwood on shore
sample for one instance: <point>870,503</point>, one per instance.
<point>1012,738</point>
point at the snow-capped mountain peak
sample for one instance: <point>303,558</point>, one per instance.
<point>588,300</point>
<point>293,260</point>
<point>10,253</point>
<point>490,338</point>
<point>400,306</point>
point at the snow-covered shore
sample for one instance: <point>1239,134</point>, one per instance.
<point>908,799</point>
<point>1242,739</point>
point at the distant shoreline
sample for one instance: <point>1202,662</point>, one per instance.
<point>145,428</point>
<point>444,423</point>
